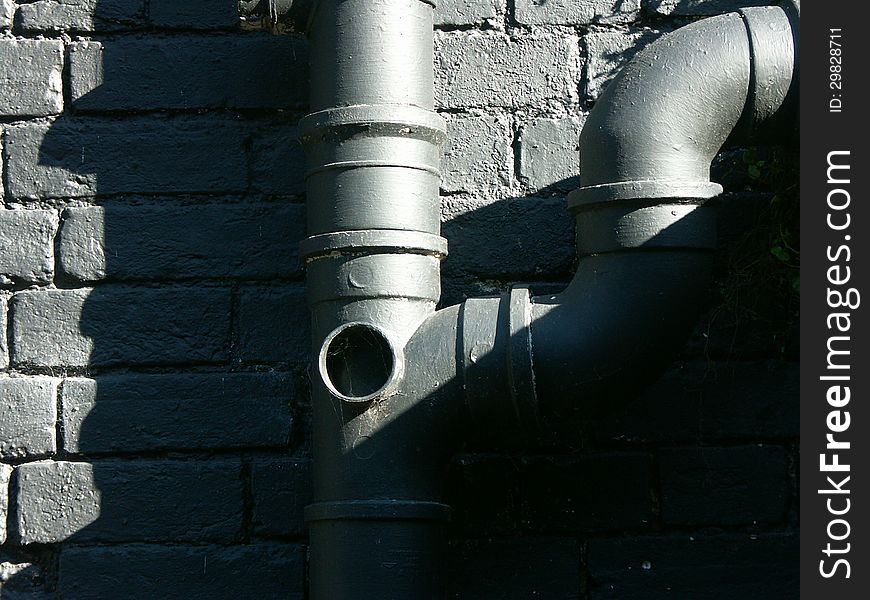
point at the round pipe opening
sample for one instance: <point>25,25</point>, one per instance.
<point>359,363</point>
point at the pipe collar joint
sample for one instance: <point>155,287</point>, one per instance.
<point>378,119</point>
<point>649,189</point>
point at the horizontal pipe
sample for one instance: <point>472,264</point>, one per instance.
<point>531,366</point>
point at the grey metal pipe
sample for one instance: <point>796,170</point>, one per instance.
<point>373,258</point>
<point>396,385</point>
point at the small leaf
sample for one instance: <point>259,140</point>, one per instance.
<point>754,171</point>
<point>780,253</point>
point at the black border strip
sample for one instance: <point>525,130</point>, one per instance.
<point>835,228</point>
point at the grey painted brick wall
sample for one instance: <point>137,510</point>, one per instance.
<point>174,500</point>
<point>533,70</point>
<point>5,474</point>
<point>575,12</point>
<point>31,73</point>
<point>118,325</point>
<point>4,348</point>
<point>468,12</point>
<point>26,246</point>
<point>273,570</point>
<point>154,411</point>
<point>28,415</point>
<point>7,10</point>
<point>177,412</point>
<point>203,72</point>
<point>181,242</point>
<point>699,7</point>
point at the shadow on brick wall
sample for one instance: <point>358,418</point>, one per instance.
<point>178,319</point>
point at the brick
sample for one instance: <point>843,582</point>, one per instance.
<point>27,246</point>
<point>118,325</point>
<point>550,153</point>
<point>480,492</point>
<point>723,486</point>
<point>695,8</point>
<point>4,350</point>
<point>7,10</point>
<point>514,569</point>
<point>694,566</point>
<point>491,69</point>
<point>79,15</point>
<point>586,493</point>
<point>273,325</point>
<point>478,153</point>
<point>277,160</point>
<point>143,572</point>
<point>181,242</point>
<point>28,412</point>
<point>608,51</point>
<point>575,12</point>
<point>281,489</point>
<point>194,14</point>
<point>187,72</point>
<point>467,12</point>
<point>705,400</point>
<point>26,573</point>
<point>177,412</point>
<point>55,500</point>
<point>531,238</point>
<point>76,157</point>
<point>31,74</point>
<point>5,474</point>
<point>122,501</point>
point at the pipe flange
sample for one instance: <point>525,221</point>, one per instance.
<point>381,241</point>
<point>398,119</point>
<point>520,369</point>
<point>360,276</point>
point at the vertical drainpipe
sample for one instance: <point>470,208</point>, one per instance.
<point>373,260</point>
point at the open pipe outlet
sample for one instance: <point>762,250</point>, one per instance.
<point>397,386</point>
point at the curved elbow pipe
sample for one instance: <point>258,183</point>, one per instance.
<point>661,121</point>
<point>644,231</point>
<point>657,127</point>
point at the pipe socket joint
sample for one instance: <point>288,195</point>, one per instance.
<point>643,224</point>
